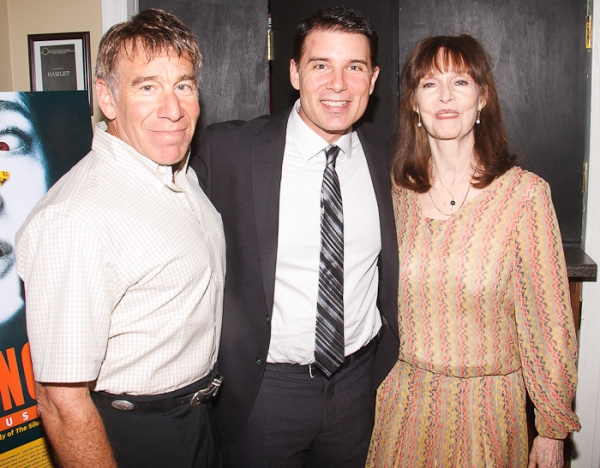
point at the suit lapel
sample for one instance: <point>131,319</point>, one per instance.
<point>380,176</point>
<point>267,160</point>
<point>378,166</point>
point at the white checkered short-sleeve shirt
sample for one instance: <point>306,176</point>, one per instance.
<point>123,268</point>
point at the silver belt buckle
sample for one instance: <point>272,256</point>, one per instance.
<point>212,390</point>
<point>122,405</point>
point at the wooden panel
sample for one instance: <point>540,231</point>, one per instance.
<point>575,292</point>
<point>541,69</point>
<point>232,38</point>
<point>538,46</point>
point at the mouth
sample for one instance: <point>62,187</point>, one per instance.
<point>174,132</point>
<point>7,258</point>
<point>446,114</point>
<point>335,103</point>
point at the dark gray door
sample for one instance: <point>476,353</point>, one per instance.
<point>538,47</point>
<point>541,72</point>
<point>232,38</point>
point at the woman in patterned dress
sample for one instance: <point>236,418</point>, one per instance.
<point>484,308</point>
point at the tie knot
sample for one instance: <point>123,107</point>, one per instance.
<point>331,153</point>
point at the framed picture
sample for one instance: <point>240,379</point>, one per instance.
<point>60,62</point>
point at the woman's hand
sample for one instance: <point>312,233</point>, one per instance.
<point>546,453</point>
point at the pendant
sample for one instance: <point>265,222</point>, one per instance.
<point>452,202</point>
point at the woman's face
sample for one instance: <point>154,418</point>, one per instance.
<point>21,155</point>
<point>448,102</point>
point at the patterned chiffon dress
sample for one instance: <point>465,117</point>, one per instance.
<point>484,314</point>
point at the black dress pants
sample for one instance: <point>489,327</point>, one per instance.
<point>299,421</point>
<point>183,437</point>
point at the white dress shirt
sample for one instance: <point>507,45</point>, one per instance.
<point>123,263</point>
<point>299,245</point>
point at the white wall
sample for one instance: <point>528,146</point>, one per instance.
<point>18,18</point>
<point>6,83</point>
<point>117,11</point>
<point>587,441</point>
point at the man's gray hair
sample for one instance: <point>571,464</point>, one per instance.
<point>152,32</point>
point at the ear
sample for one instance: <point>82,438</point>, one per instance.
<point>413,104</point>
<point>373,80</point>
<point>294,75</point>
<point>106,100</point>
<point>482,103</point>
<point>482,99</point>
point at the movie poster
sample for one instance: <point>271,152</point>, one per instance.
<point>42,135</point>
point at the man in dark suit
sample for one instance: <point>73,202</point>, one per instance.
<point>310,311</point>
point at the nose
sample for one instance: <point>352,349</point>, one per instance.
<point>446,92</point>
<point>337,81</point>
<point>170,107</point>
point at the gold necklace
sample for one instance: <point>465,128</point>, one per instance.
<point>452,202</point>
<point>461,205</point>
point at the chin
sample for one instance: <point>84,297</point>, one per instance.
<point>171,156</point>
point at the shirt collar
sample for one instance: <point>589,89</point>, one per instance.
<point>310,144</point>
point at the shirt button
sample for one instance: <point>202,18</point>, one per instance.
<point>259,361</point>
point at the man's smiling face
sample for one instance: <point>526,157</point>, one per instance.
<point>335,78</point>
<point>156,108</point>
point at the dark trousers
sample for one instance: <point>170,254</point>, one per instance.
<point>299,421</point>
<point>182,437</point>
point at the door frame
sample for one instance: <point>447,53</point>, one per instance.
<point>587,402</point>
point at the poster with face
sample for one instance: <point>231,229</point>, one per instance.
<point>42,135</point>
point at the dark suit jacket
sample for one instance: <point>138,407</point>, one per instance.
<point>239,165</point>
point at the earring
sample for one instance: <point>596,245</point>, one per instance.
<point>478,121</point>
<point>419,124</point>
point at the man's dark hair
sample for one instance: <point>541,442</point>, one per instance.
<point>340,19</point>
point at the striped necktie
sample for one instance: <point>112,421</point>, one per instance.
<point>329,346</point>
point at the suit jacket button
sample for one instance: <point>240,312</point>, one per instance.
<point>268,318</point>
<point>259,361</point>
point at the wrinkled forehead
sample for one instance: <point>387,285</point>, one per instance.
<point>144,53</point>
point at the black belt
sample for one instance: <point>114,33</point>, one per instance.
<point>312,370</point>
<point>162,403</point>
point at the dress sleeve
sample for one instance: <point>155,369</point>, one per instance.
<point>546,332</point>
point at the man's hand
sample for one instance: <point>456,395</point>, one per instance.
<point>546,453</point>
<point>73,426</point>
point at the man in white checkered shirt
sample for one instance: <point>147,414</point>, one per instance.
<point>123,264</point>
